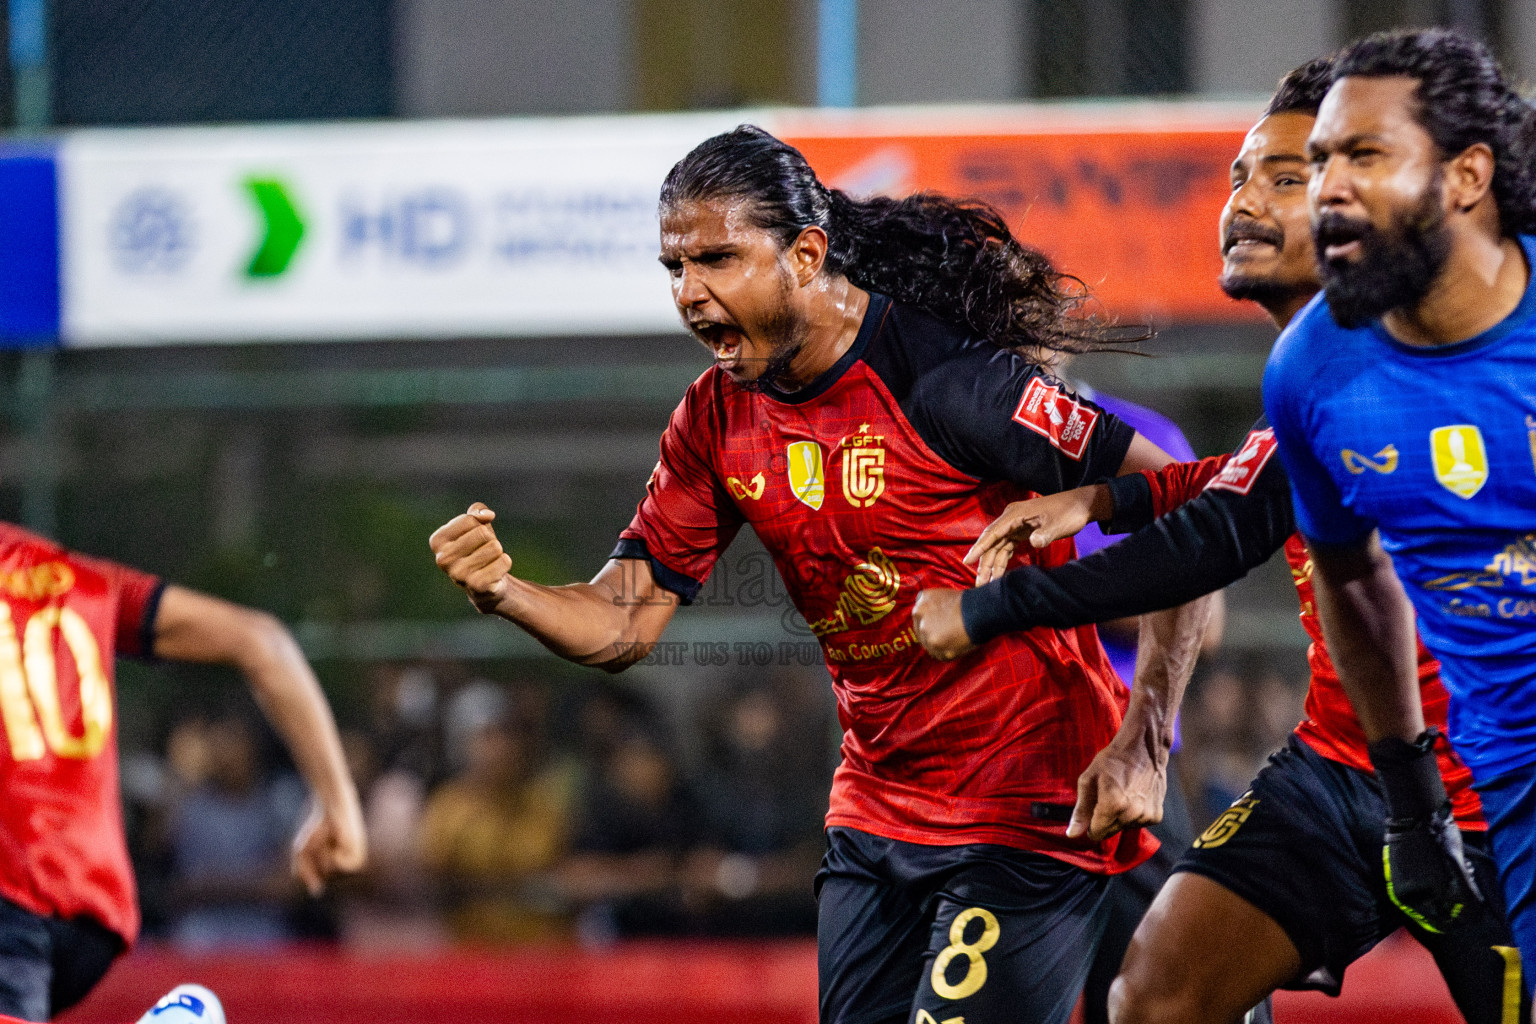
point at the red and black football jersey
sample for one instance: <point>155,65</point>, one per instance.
<point>63,619</point>
<point>865,487</point>
<point>1200,526</point>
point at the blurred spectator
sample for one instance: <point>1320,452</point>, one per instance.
<point>404,727</point>
<point>765,785</point>
<point>229,839</point>
<point>1222,743</point>
<point>490,832</point>
<point>391,906</point>
<point>635,821</point>
<point>1232,723</point>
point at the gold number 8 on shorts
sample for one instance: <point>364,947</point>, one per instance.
<point>976,966</point>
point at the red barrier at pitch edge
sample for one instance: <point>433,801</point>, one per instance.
<point>636,983</point>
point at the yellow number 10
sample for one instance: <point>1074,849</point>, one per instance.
<point>29,686</point>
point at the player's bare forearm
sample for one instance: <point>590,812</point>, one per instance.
<point>1125,783</point>
<point>197,627</point>
<point>1369,626</point>
<point>1169,643</point>
<point>610,623</point>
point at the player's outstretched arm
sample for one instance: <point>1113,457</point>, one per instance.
<point>1126,782</point>
<point>190,626</point>
<point>1211,540</point>
<point>1369,626</point>
<point>610,623</point>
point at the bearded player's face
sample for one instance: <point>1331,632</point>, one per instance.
<point>1376,199</point>
<point>1266,235</point>
<point>733,286</point>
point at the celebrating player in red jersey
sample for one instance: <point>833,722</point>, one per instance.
<point>876,399</point>
<point>1285,889</point>
<point>67,900</point>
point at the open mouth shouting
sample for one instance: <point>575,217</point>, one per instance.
<point>1339,238</point>
<point>724,340</point>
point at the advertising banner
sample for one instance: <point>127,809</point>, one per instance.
<point>506,228</point>
<point>1125,197</point>
<point>367,231</point>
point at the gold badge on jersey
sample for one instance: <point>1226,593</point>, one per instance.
<point>1385,461</point>
<point>1461,460</point>
<point>863,468</point>
<point>752,490</point>
<point>1227,823</point>
<point>806,482</point>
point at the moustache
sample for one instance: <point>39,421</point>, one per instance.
<point>1244,230</point>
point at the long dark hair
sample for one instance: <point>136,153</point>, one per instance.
<point>954,258</point>
<point>1463,99</point>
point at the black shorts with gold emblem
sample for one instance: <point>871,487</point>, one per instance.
<point>1304,846</point>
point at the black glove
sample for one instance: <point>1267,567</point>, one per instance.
<point>1428,876</point>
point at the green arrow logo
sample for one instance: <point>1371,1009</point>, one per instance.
<point>285,228</point>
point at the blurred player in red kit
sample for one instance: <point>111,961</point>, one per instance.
<point>67,899</point>
<point>877,397</point>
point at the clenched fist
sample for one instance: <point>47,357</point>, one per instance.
<point>939,626</point>
<point>467,550</point>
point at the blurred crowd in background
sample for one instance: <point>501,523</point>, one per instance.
<point>525,809</point>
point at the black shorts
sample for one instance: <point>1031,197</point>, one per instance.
<point>926,934</point>
<point>47,964</point>
<point>1304,846</point>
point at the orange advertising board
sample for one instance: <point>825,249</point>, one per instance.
<point>1130,206</point>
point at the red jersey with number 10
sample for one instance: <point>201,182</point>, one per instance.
<point>866,487</point>
<point>63,619</point>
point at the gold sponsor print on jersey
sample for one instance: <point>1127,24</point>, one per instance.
<point>29,685</point>
<point>806,480</point>
<point>751,490</point>
<point>1465,580</point>
<point>1460,458</point>
<point>1384,462</point>
<point>863,467</point>
<point>1517,559</point>
<point>869,595</point>
<point>1227,823</point>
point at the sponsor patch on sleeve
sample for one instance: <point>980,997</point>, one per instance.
<point>1244,468</point>
<point>1056,416</point>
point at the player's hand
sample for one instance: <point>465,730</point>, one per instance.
<point>1123,785</point>
<point>1039,521</point>
<point>1428,876</point>
<point>939,626</point>
<point>467,550</point>
<point>329,843</point>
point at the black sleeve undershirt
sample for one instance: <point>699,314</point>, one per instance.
<point>1197,549</point>
<point>967,411</point>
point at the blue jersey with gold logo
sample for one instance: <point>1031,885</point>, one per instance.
<point>1436,448</point>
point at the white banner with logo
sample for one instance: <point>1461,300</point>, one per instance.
<point>442,229</point>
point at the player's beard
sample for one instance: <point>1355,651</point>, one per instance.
<point>1396,267</point>
<point>785,333</point>
<point>1266,291</point>
<point>788,336</point>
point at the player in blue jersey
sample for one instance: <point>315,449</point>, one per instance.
<point>1405,409</point>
